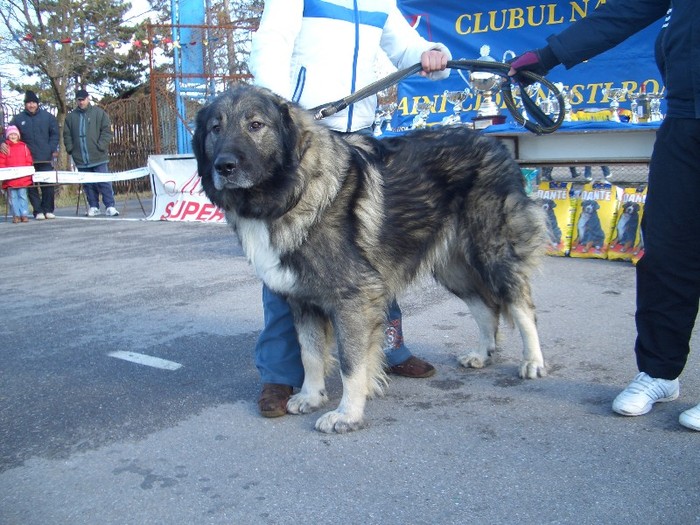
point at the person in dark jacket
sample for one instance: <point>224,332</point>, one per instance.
<point>668,275</point>
<point>39,130</point>
<point>86,136</point>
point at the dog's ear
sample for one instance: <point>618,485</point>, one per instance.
<point>198,139</point>
<point>296,132</point>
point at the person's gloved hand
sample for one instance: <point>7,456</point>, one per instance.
<point>538,61</point>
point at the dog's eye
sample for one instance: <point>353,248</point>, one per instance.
<point>216,129</point>
<point>255,125</point>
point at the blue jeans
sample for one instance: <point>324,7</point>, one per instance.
<point>19,202</point>
<point>277,352</point>
<point>93,190</point>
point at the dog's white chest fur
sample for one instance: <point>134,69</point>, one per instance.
<point>255,240</point>
<point>622,224</point>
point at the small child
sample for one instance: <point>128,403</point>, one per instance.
<point>18,155</point>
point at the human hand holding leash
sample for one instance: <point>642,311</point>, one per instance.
<point>433,60</point>
<point>537,61</point>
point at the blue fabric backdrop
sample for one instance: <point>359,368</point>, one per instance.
<point>517,26</point>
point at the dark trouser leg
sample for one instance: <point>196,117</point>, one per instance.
<point>668,276</point>
<point>48,192</point>
<point>34,199</point>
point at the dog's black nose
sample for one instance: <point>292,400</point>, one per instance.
<point>226,164</point>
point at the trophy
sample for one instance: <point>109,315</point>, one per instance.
<point>614,94</point>
<point>636,108</point>
<point>456,98</point>
<point>421,119</point>
<point>655,107</point>
<point>487,85</point>
<point>549,105</point>
<point>381,115</point>
<point>645,107</point>
<point>566,95</point>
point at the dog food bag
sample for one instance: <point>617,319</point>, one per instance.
<point>559,204</point>
<point>530,176</point>
<point>626,242</point>
<point>594,221</point>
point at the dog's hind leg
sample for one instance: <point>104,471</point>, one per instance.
<point>487,321</point>
<point>359,339</point>
<point>315,337</point>
<point>532,366</point>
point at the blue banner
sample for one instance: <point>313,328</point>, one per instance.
<point>509,27</point>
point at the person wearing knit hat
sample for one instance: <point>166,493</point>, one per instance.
<point>30,96</point>
<point>9,130</point>
<point>18,155</point>
<point>39,131</point>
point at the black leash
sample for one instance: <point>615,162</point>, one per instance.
<point>540,123</point>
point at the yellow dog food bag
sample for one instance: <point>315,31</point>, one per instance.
<point>559,204</point>
<point>626,243</point>
<point>594,221</point>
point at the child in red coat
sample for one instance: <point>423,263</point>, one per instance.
<point>18,155</point>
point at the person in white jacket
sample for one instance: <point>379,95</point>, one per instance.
<point>314,52</point>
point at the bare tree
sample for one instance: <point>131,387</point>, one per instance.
<point>69,45</point>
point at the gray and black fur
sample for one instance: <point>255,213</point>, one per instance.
<point>339,225</point>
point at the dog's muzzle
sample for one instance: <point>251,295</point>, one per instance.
<point>228,174</point>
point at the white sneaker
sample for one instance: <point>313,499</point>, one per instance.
<point>111,211</point>
<point>690,418</point>
<point>49,215</point>
<point>39,216</point>
<point>641,394</point>
<point>93,212</point>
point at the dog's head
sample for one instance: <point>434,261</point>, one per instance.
<point>631,208</point>
<point>548,204</point>
<point>589,206</point>
<point>246,146</point>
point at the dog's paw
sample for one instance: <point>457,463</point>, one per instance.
<point>532,370</point>
<point>305,403</point>
<point>335,422</point>
<point>473,360</point>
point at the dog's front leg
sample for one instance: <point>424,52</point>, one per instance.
<point>359,335</point>
<point>315,336</point>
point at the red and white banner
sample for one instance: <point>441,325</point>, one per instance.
<point>177,191</point>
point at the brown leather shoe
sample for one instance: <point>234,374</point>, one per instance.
<point>413,367</point>
<point>273,399</point>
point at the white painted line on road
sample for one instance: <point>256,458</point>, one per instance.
<point>148,360</point>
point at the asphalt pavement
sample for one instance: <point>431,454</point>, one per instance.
<point>128,388</point>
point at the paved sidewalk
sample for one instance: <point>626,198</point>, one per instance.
<point>87,437</point>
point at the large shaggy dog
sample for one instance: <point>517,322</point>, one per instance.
<point>340,224</point>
